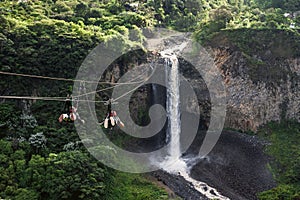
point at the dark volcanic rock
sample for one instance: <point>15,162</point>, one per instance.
<point>179,185</point>
<point>236,167</point>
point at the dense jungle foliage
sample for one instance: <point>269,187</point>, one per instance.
<point>42,159</point>
<point>285,139</point>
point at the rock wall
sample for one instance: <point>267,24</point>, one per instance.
<point>259,89</point>
<point>262,84</point>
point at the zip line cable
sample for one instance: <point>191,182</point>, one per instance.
<point>46,98</point>
<point>59,79</point>
<point>137,86</point>
<point>85,94</point>
<point>128,83</point>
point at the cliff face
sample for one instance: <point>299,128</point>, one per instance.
<point>262,85</point>
<point>261,73</point>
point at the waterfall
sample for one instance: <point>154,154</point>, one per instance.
<point>173,163</point>
<point>172,106</point>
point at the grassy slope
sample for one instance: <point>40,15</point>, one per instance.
<point>285,139</point>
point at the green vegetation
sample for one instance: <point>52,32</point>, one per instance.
<point>67,175</point>
<point>133,186</point>
<point>42,159</point>
<point>43,162</point>
<point>258,42</point>
<point>231,15</point>
<point>285,142</point>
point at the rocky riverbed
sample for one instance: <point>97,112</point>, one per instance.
<point>236,167</point>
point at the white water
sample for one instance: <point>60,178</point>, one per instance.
<point>172,104</point>
<point>173,163</point>
<point>203,188</point>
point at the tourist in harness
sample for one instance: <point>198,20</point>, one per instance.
<point>111,118</point>
<point>69,112</point>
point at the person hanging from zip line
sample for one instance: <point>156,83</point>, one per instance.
<point>66,111</point>
<point>69,112</point>
<point>111,118</point>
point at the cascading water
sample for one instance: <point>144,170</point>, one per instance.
<point>173,163</point>
<point>172,105</point>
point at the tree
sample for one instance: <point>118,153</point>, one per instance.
<point>67,175</point>
<point>38,141</point>
<point>81,9</point>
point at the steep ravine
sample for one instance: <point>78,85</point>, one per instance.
<point>260,88</point>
